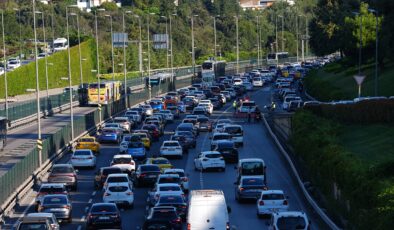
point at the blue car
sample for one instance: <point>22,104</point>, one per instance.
<point>136,150</point>
<point>181,107</point>
<point>109,135</point>
<point>157,105</point>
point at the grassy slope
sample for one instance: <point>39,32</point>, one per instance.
<point>335,82</point>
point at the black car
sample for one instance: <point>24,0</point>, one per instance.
<point>176,201</point>
<point>190,138</point>
<point>204,124</point>
<point>228,150</point>
<point>157,225</point>
<point>104,215</point>
<point>188,127</point>
<point>182,141</point>
<point>101,175</point>
<point>146,174</point>
<point>217,104</point>
<point>165,213</point>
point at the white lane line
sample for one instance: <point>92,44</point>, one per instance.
<point>90,201</point>
<point>86,208</point>
<point>24,212</point>
<point>82,218</point>
<point>79,227</point>
<point>94,193</point>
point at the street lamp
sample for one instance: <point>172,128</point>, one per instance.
<point>79,48</point>
<point>283,45</point>
<point>97,71</point>
<point>375,12</point>
<point>258,39</point>
<point>5,67</point>
<point>237,35</point>
<point>124,57</point>
<point>167,57</point>
<point>149,83</point>
<point>46,62</point>
<point>214,34</point>
<point>20,32</point>
<point>173,87</point>
<point>276,33</point>
<point>112,47</point>
<point>193,53</point>
<point>37,84</point>
<point>140,61</point>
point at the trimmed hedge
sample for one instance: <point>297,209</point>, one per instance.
<point>366,192</point>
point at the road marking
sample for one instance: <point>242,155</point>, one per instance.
<point>24,212</point>
<point>79,227</point>
<point>94,193</point>
<point>82,218</point>
<point>86,208</point>
<point>90,201</point>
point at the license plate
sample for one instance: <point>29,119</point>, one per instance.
<point>274,210</point>
<point>152,176</point>
<point>103,218</point>
<point>108,135</point>
<point>56,209</point>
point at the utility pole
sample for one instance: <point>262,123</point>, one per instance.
<point>297,37</point>
<point>276,33</point>
<point>5,68</point>
<point>283,40</point>
<point>215,36</point>
<point>237,35</point>
<point>112,47</point>
<point>149,73</point>
<point>124,59</point>
<point>258,40</point>
<point>69,79</point>
<point>193,54</point>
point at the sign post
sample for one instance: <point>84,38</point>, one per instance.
<point>359,80</point>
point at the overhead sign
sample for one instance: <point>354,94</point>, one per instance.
<point>160,41</point>
<point>359,79</point>
<point>120,39</point>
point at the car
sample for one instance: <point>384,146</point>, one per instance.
<point>171,148</point>
<point>166,213</point>
<point>209,160</point>
<point>110,135</point>
<point>191,121</point>
<point>174,200</point>
<point>65,174</point>
<point>170,179</point>
<point>88,142</point>
<point>101,175</point>
<point>13,63</point>
<point>119,193</point>
<point>237,81</point>
<point>148,111</point>
<point>156,104</point>
<point>49,188</point>
<point>200,110</point>
<point>289,220</point>
<point>146,174</point>
<point>114,125</point>
<point>288,99</point>
<point>34,222</point>
<point>190,138</point>
<point>236,132</point>
<point>117,178</point>
<point>103,215</point>
<point>248,86</point>
<point>136,150</point>
<point>217,137</point>
<point>144,136</point>
<point>224,121</point>
<point>134,116</point>
<point>204,124</point>
<point>251,167</point>
<point>162,162</point>
<point>182,142</point>
<point>249,187</point>
<point>156,123</point>
<point>258,82</point>
<point>187,127</point>
<point>182,175</point>
<point>207,105</point>
<point>153,130</point>
<point>164,189</point>
<point>271,201</point>
<point>83,158</point>
<point>168,115</point>
<point>228,150</point>
<point>59,205</point>
<point>124,123</point>
<point>125,162</point>
<point>50,217</point>
<point>247,106</point>
<point>181,107</point>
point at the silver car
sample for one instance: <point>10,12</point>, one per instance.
<point>57,204</point>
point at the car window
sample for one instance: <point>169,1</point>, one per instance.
<point>252,182</point>
<point>252,168</point>
<point>273,196</point>
<point>170,200</point>
<point>169,188</point>
<point>168,144</point>
<point>221,137</point>
<point>54,200</point>
<point>33,226</point>
<point>118,188</point>
<point>233,129</point>
<point>213,155</point>
<point>82,153</point>
<point>160,161</point>
<point>103,208</point>
<point>295,223</point>
<point>181,174</point>
<point>51,190</point>
<point>150,168</point>
<point>113,170</point>
<point>86,140</point>
<point>122,160</point>
<point>62,170</point>
<point>164,180</point>
<point>117,179</point>
<point>135,145</point>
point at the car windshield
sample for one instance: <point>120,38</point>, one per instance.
<point>186,133</point>
<point>109,131</point>
<point>122,160</point>
<point>252,168</point>
<point>113,170</point>
<point>171,144</point>
<point>86,140</point>
<point>221,137</point>
<point>153,168</point>
<point>103,208</point>
<point>213,155</point>
<point>252,182</point>
<point>164,180</point>
<point>117,179</point>
<point>202,119</point>
<point>170,188</point>
<point>82,153</point>
<point>233,129</point>
<point>273,196</point>
<point>52,190</point>
<point>62,170</point>
<point>290,223</point>
<point>135,145</point>
<point>170,200</point>
<point>160,161</point>
<point>164,214</point>
<point>226,145</point>
<point>55,200</point>
<point>33,226</point>
<point>118,188</point>
<point>181,174</point>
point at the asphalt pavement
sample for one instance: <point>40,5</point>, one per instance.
<point>257,143</point>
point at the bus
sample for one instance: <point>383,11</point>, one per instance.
<point>211,69</point>
<point>276,58</point>
<point>109,91</point>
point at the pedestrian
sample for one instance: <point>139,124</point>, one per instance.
<point>235,106</point>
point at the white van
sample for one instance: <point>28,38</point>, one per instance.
<point>251,167</point>
<point>207,210</point>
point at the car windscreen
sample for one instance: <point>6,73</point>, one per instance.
<point>171,144</point>
<point>150,168</point>
<point>171,200</point>
<point>181,174</point>
<point>295,223</point>
<point>109,131</point>
<point>160,161</point>
<point>252,182</point>
<point>113,170</point>
<point>233,129</point>
<point>213,155</point>
<point>103,208</point>
<point>62,170</point>
<point>117,179</point>
<point>252,168</point>
<point>164,180</point>
<point>33,226</point>
<point>136,145</point>
<point>226,145</point>
<point>221,137</point>
<point>122,160</point>
<point>54,200</point>
<point>170,188</point>
<point>249,104</point>
<point>51,190</point>
<point>202,119</point>
<point>86,140</point>
<point>82,153</point>
<point>273,196</point>
<point>118,188</point>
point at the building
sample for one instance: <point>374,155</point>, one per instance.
<point>260,4</point>
<point>88,4</point>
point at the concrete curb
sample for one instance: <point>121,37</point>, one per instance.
<point>308,197</point>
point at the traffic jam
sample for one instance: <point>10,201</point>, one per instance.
<point>171,202</point>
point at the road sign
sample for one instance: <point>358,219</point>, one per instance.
<point>120,39</point>
<point>359,79</point>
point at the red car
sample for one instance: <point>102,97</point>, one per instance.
<point>153,131</point>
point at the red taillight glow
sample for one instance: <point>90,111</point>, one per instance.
<point>143,175</point>
<point>189,226</point>
<point>285,202</point>
<point>261,203</point>
<point>241,189</point>
<point>185,179</point>
<point>129,193</point>
<point>107,194</point>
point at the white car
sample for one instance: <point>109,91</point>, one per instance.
<point>237,81</point>
<point>168,115</point>
<point>271,201</point>
<point>247,106</point>
<point>219,128</point>
<point>133,115</point>
<point>83,158</point>
<point>199,110</point>
<point>289,220</point>
<point>124,143</point>
<point>50,217</point>
<point>208,106</point>
<point>49,188</point>
<point>182,175</point>
<point>120,194</point>
<point>288,99</point>
<point>124,123</point>
<point>117,178</point>
<point>148,110</point>
<point>236,132</point>
<point>125,162</point>
<point>164,189</point>
<point>258,81</point>
<point>171,148</point>
<point>209,160</point>
<point>219,136</point>
<point>13,63</point>
<point>224,121</point>
<point>1,71</point>
<point>113,126</point>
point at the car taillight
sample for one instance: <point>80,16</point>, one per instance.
<point>185,179</point>
<point>142,175</point>
<point>107,194</point>
<point>129,193</point>
<point>285,202</point>
<point>177,220</point>
<point>189,227</point>
<point>42,194</point>
<point>261,203</point>
<point>241,189</point>
<point>66,207</point>
<point>132,163</point>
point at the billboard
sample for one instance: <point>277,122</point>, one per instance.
<point>160,41</point>
<point>120,39</point>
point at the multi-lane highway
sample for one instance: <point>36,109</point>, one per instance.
<point>257,143</point>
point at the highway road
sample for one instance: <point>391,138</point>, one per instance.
<point>257,143</point>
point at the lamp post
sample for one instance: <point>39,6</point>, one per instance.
<point>46,62</point>
<point>276,33</point>
<point>112,46</point>
<point>140,61</point>
<point>173,87</point>
<point>37,84</point>
<point>69,78</point>
<point>360,43</point>
<point>5,67</point>
<point>258,39</point>
<point>375,12</point>
<point>193,52</point>
<point>237,36</point>
<point>79,47</point>
<point>98,64</point>
<point>214,34</point>
<point>167,57</point>
<point>149,73</point>
<point>124,57</point>
<point>20,32</point>
<point>297,38</point>
<point>283,46</point>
